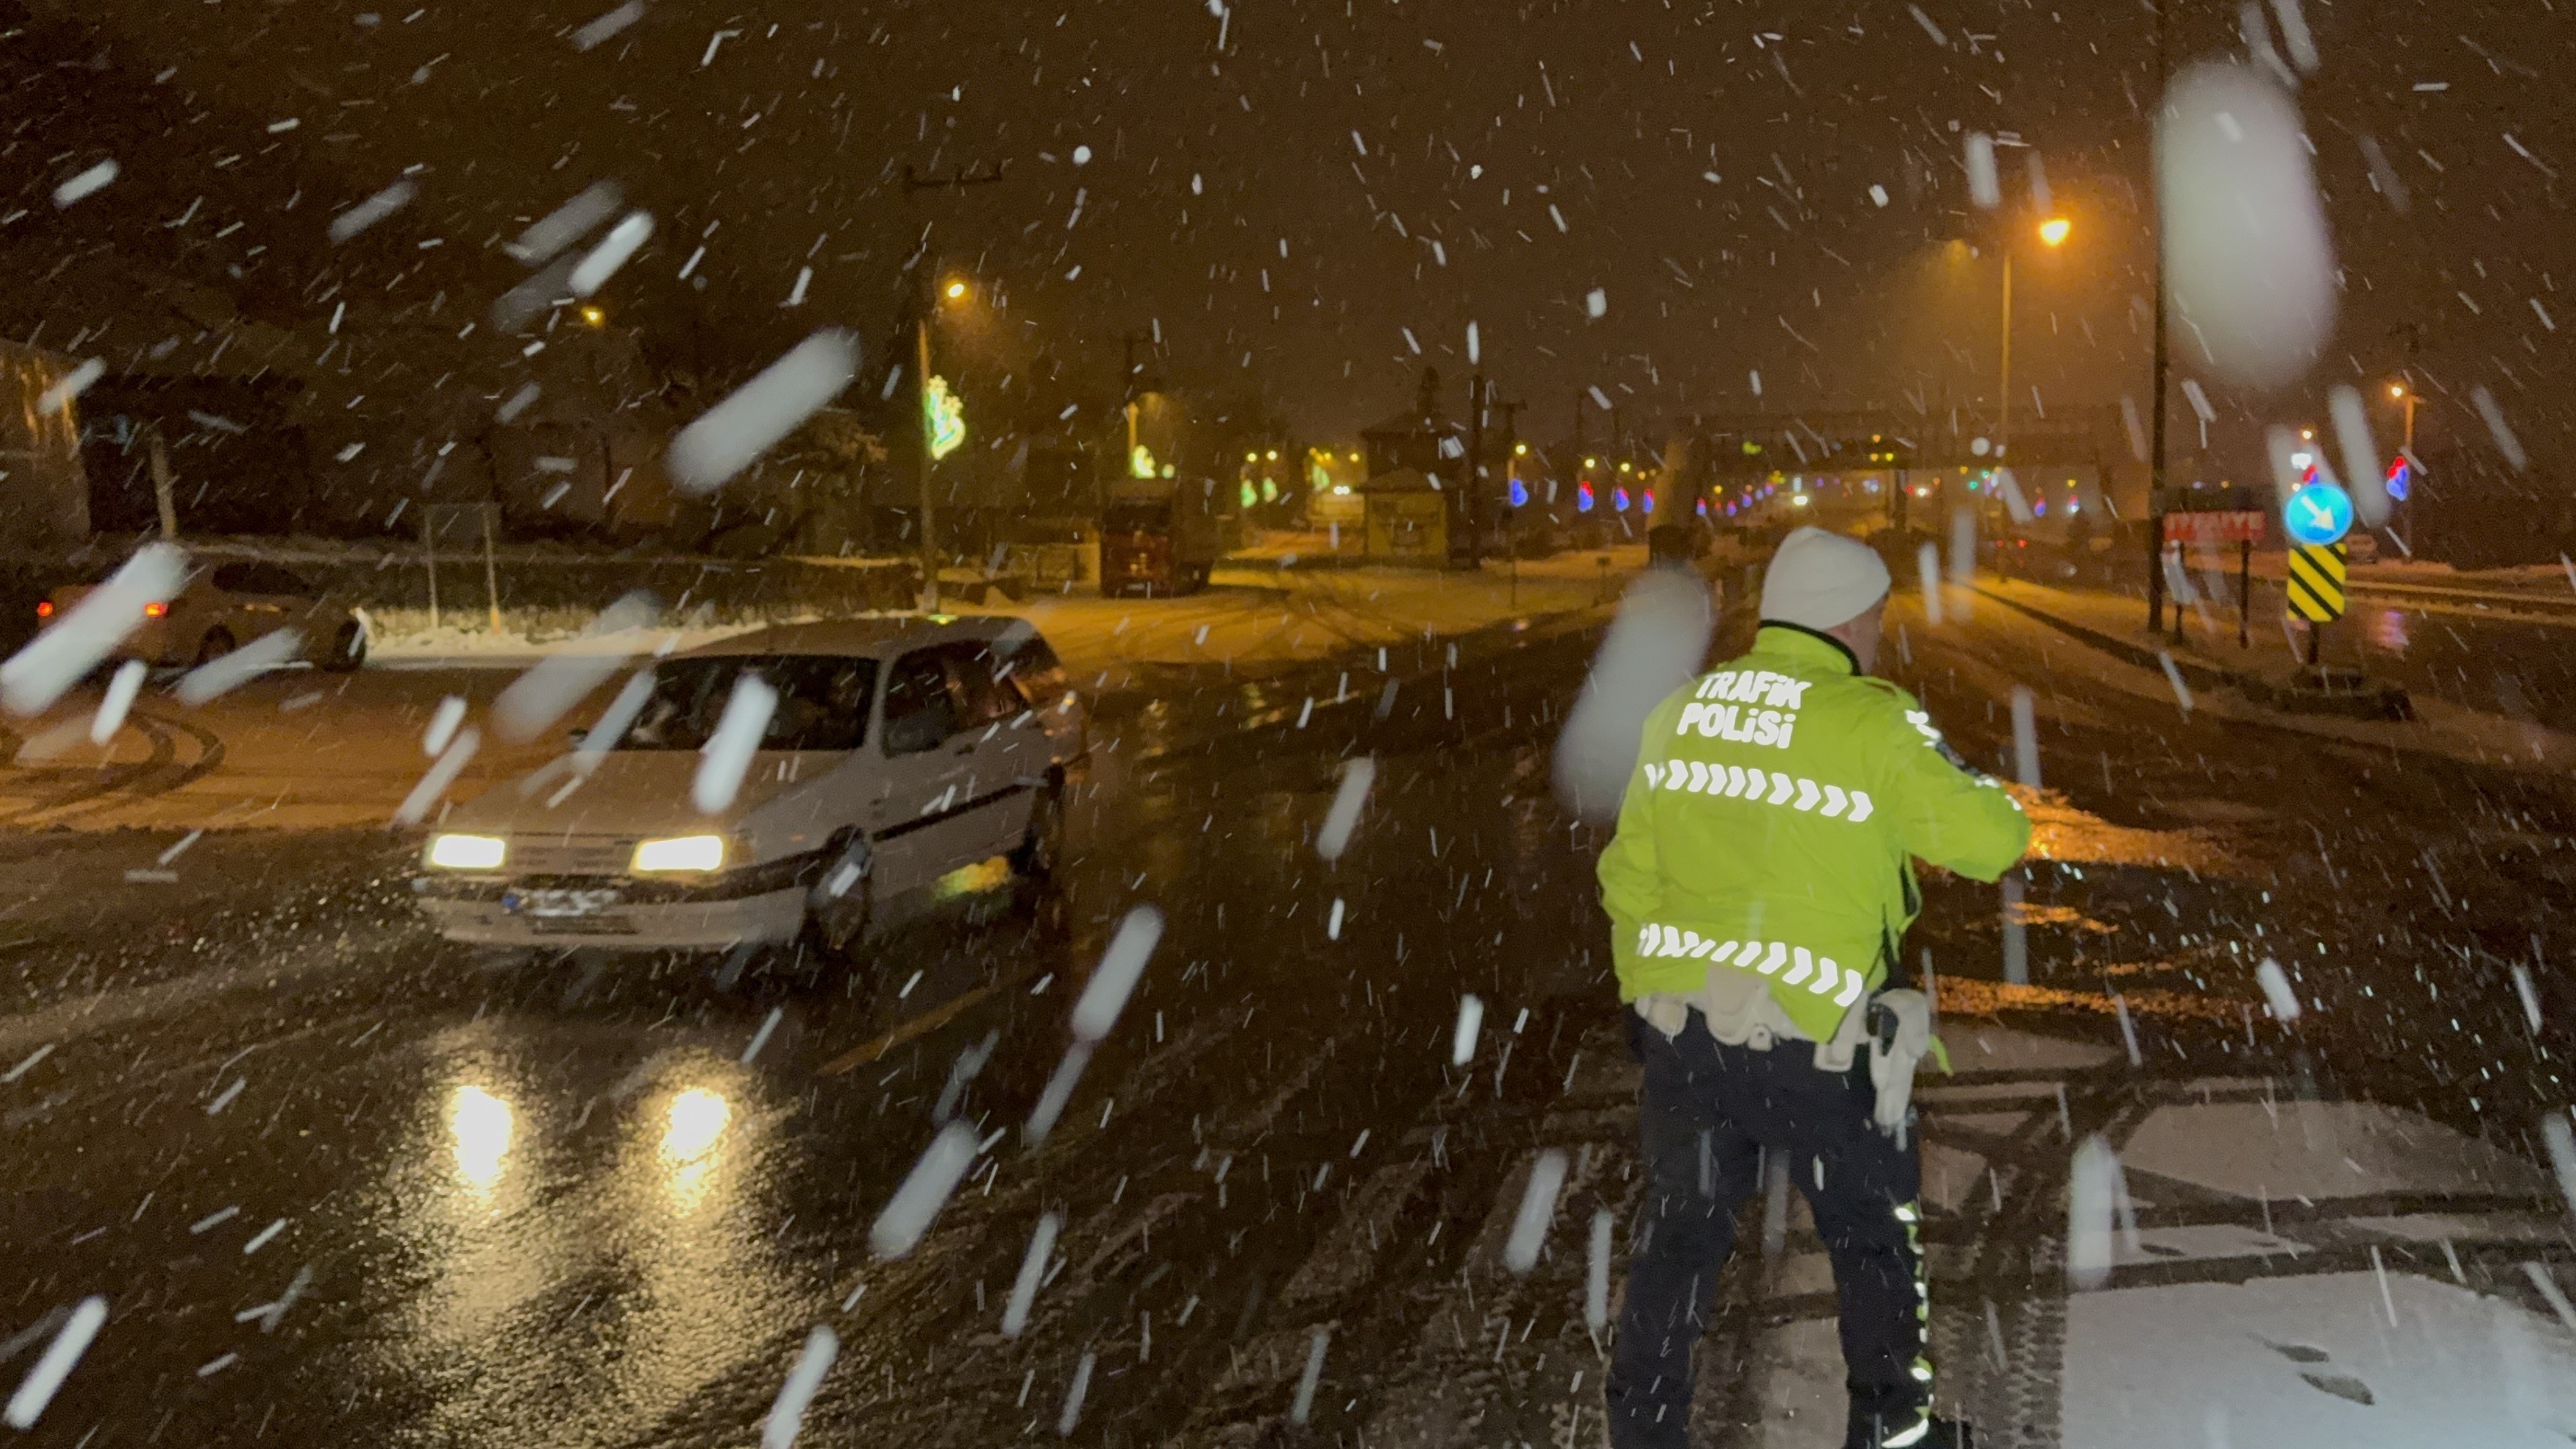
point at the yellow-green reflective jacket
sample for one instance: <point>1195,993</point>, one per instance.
<point>1771,825</point>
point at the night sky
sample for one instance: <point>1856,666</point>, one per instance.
<point>1290,204</point>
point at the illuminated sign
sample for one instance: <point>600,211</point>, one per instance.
<point>1520,494</point>
<point>2401,480</point>
<point>2317,514</point>
<point>1140,462</point>
<point>943,418</point>
<point>1583,498</point>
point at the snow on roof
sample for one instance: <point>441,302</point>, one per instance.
<point>876,635</point>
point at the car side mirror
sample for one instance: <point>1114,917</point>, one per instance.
<point>578,736</point>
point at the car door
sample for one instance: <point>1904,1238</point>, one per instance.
<point>915,807</point>
<point>215,602</point>
<point>1003,749</point>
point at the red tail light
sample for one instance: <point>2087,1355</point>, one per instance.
<point>155,610</point>
<point>44,608</point>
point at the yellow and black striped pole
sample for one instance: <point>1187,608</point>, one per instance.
<point>2316,587</point>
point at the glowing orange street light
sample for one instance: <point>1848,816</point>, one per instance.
<point>2054,230</point>
<point>956,290</point>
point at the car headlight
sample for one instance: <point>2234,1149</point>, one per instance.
<point>681,852</point>
<point>467,852</point>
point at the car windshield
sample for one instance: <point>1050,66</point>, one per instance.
<point>822,702</point>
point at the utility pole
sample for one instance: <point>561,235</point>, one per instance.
<point>925,301</point>
<point>1133,384</point>
<point>1511,412</point>
<point>1464,552</point>
<point>165,499</point>
<point>2156,459</point>
<point>2003,414</point>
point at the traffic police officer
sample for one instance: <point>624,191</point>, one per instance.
<point>1758,888</point>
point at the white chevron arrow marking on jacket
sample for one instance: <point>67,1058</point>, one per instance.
<point>1771,963</point>
<point>1853,985</point>
<point>1751,950</point>
<point>1805,968</point>
<point>1825,973</point>
<point>1739,782</point>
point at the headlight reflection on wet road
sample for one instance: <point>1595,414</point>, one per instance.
<point>697,1118</point>
<point>480,1125</point>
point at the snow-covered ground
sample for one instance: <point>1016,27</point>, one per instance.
<point>2303,1275</point>
<point>2439,727</point>
<point>302,749</point>
<point>1257,619</point>
<point>1253,616</point>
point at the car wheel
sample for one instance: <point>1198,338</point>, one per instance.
<point>348,649</point>
<point>216,644</point>
<point>1041,851</point>
<point>832,949</point>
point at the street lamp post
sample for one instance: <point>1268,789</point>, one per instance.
<point>921,420</point>
<point>926,416</point>
<point>2053,233</point>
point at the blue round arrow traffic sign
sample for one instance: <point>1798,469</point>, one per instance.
<point>2318,514</point>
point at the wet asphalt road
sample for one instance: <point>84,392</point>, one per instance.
<point>341,1182</point>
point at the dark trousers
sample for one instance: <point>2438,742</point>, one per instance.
<point>1709,1113</point>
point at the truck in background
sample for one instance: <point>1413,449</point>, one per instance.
<point>1159,536</point>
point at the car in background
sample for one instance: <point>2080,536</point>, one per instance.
<point>222,608</point>
<point>900,750</point>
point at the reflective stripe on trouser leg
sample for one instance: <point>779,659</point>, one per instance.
<point>1911,1215</point>
<point>1865,1212</point>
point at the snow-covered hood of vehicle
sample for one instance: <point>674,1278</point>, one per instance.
<point>638,793</point>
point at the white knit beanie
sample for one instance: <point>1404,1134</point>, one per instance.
<point>1819,580</point>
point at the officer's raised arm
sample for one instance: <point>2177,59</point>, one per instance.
<point>1945,811</point>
